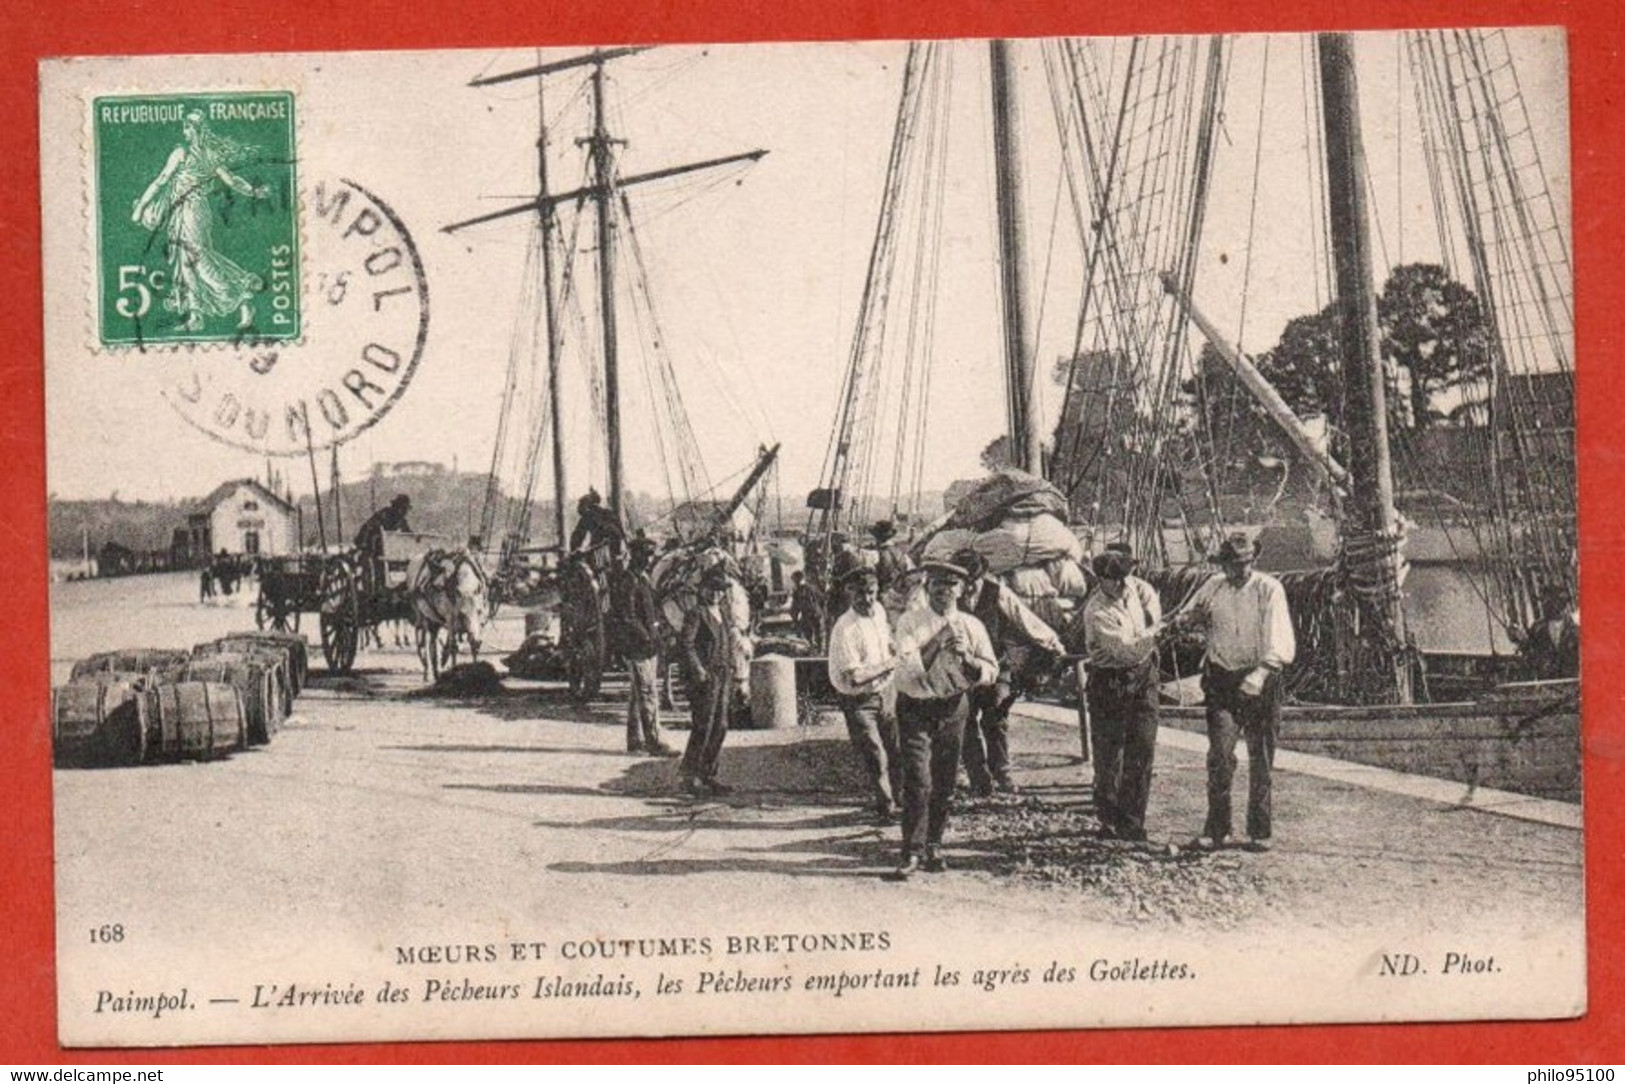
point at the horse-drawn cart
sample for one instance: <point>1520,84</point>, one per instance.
<point>289,586</point>
<point>361,590</point>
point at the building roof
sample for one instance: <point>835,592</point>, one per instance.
<point>226,489</point>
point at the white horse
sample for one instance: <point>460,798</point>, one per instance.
<point>450,593</point>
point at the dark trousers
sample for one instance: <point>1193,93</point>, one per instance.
<point>1123,732</point>
<point>709,703</point>
<point>1232,715</point>
<point>873,731</point>
<point>929,732</point>
<point>987,735</point>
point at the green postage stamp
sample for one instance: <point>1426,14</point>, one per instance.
<point>197,237</point>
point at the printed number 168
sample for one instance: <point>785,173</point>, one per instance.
<point>109,934</point>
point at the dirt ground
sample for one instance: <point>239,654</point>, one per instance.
<point>381,807</point>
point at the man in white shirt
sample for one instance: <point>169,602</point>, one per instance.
<point>861,662</point>
<point>1249,643</point>
<point>942,653</point>
<point>1121,622</point>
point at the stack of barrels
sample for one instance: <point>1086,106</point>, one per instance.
<point>151,705</point>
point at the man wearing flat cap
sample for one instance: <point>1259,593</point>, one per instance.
<point>1249,642</point>
<point>708,669</point>
<point>942,652</point>
<point>861,662</point>
<point>1122,620</point>
<point>1019,637</point>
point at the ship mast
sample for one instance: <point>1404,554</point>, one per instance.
<point>1024,443</point>
<point>601,148</point>
<point>1370,529</point>
<point>561,524</point>
<point>604,191</point>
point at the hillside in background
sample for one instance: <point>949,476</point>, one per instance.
<point>138,525</point>
<point>444,503</point>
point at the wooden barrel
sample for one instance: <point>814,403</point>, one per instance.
<point>98,722</point>
<point>265,653</point>
<point>291,644</point>
<point>133,661</point>
<point>194,720</point>
<point>258,679</point>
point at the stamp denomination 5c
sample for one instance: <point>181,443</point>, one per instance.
<point>197,235</point>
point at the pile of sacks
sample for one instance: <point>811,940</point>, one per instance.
<point>1017,522</point>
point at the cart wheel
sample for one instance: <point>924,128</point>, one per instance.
<point>340,617</point>
<point>582,633</point>
<point>286,620</point>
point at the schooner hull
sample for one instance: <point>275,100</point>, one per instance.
<point>1522,737</point>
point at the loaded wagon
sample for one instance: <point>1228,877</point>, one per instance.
<point>360,590</point>
<point>347,591</point>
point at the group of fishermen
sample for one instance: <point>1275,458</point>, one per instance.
<point>933,693</point>
<point>706,645</point>
<point>927,690</point>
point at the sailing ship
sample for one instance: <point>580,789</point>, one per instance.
<point>1140,135</point>
<point>565,585</point>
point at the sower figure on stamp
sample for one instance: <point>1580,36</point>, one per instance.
<point>203,280</point>
<point>1249,643</point>
<point>1121,622</point>
<point>637,621</point>
<point>1015,632</point>
<point>861,662</point>
<point>708,668</point>
<point>942,652</point>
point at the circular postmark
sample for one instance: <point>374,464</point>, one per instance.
<point>366,304</point>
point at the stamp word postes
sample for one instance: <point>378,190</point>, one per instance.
<point>196,201</point>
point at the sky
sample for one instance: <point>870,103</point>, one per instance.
<point>755,273</point>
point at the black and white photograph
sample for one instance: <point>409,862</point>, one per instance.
<point>793,538</point>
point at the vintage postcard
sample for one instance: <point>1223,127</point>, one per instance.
<point>798,538</point>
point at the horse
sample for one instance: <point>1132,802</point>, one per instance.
<point>449,592</point>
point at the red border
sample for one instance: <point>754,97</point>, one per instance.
<point>69,27</point>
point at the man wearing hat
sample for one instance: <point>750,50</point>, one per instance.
<point>708,668</point>
<point>1249,642</point>
<point>392,517</point>
<point>942,652</point>
<point>638,629</point>
<point>596,526</point>
<point>1121,623</point>
<point>861,662</point>
<point>1551,646</point>
<point>1016,632</point>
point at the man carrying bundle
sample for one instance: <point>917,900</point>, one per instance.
<point>1013,630</point>
<point>942,652</point>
